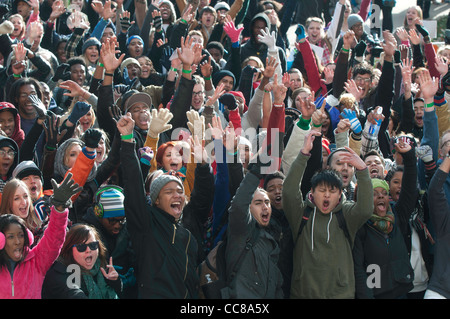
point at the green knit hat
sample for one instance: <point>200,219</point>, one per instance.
<point>376,182</point>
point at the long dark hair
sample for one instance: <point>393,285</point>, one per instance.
<point>5,221</point>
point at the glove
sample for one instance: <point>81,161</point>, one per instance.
<point>165,57</point>
<point>196,124</point>
<point>355,125</point>
<point>51,130</point>
<point>300,32</point>
<point>425,153</point>
<point>145,155</point>
<point>6,27</point>
<point>125,23</point>
<point>92,137</point>
<point>268,39</point>
<point>157,22</point>
<point>62,193</point>
<point>159,123</point>
<point>229,101</point>
<point>397,57</point>
<point>233,33</point>
<point>40,108</point>
<point>62,73</point>
<point>79,110</point>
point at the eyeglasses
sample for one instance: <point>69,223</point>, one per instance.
<point>197,93</point>
<point>82,247</point>
<point>113,221</point>
<point>3,153</point>
<point>445,144</point>
<point>361,79</point>
<point>377,194</point>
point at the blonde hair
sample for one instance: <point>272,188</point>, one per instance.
<point>31,221</point>
<point>22,34</point>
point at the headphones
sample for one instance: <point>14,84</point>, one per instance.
<point>98,207</point>
<point>3,239</point>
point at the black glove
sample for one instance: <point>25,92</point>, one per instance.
<point>422,31</point>
<point>157,22</point>
<point>62,72</point>
<point>38,106</point>
<point>92,137</point>
<point>229,101</point>
<point>165,57</point>
<point>62,193</point>
<point>125,23</point>
<point>51,125</point>
<point>397,57</point>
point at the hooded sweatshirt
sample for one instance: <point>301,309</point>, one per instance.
<point>18,134</point>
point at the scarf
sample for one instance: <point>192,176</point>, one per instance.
<point>384,224</point>
<point>96,285</point>
<point>181,173</point>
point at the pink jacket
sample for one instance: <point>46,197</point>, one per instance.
<point>29,274</point>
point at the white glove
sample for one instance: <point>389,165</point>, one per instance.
<point>268,39</point>
<point>196,124</point>
<point>159,122</point>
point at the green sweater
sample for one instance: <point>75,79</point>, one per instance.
<point>323,262</point>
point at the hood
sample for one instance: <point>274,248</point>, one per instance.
<point>6,141</point>
<point>18,135</point>
<point>259,16</point>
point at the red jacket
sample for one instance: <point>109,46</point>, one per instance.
<point>28,276</point>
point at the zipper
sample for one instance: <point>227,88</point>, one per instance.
<point>12,287</point>
<point>174,232</point>
<point>187,263</point>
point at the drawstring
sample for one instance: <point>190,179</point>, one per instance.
<point>328,227</point>
<point>312,230</point>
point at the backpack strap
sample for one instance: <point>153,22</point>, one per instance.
<point>305,219</point>
<point>343,226</point>
<point>248,245</point>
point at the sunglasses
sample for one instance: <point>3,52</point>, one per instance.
<point>82,247</point>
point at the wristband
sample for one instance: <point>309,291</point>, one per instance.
<point>100,64</point>
<point>17,75</point>
<point>184,21</point>
<point>126,137</point>
<point>265,91</point>
<point>313,124</point>
<point>186,71</point>
<point>173,69</point>
<point>278,105</point>
<point>109,74</point>
<point>207,78</point>
<point>429,105</point>
<point>345,50</point>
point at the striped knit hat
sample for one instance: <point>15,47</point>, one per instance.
<point>112,202</point>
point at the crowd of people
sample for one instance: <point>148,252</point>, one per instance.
<point>138,137</point>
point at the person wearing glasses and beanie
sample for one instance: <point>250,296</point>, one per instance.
<point>22,269</point>
<point>9,157</point>
<point>107,216</point>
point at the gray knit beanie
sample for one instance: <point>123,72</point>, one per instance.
<point>159,183</point>
<point>354,19</point>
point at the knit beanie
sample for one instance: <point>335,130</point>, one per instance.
<point>127,62</point>
<point>376,182</point>
<point>354,19</point>
<point>26,168</point>
<point>111,201</point>
<point>221,74</point>
<point>158,183</point>
<point>90,42</point>
<point>134,37</point>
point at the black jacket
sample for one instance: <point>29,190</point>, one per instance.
<point>166,252</point>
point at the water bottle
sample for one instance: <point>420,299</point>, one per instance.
<point>375,128</point>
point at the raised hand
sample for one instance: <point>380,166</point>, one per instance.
<point>125,124</point>
<point>355,124</point>
<point>268,38</point>
<point>428,86</point>
<point>74,89</point>
<point>230,29</point>
<point>186,52</point>
<point>112,273</point>
<point>318,117</point>
<point>63,192</point>
<point>352,158</point>
<point>402,146</point>
<point>218,92</point>
<point>79,110</point>
<point>160,122</point>
<point>38,106</point>
<point>108,55</point>
<point>308,142</point>
<point>307,106</point>
<point>351,87</point>
<point>279,91</point>
<point>271,66</point>
<point>196,124</point>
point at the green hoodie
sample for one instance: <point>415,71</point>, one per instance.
<point>323,261</point>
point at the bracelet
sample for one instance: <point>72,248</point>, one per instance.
<point>173,69</point>
<point>109,74</point>
<point>345,50</point>
<point>429,105</point>
<point>126,137</point>
<point>207,78</point>
<point>17,75</point>
<point>100,64</point>
<point>265,91</point>
<point>278,105</point>
<point>184,21</point>
<point>313,124</point>
<point>186,71</point>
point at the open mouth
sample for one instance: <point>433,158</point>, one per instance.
<point>33,189</point>
<point>277,199</point>
<point>265,217</point>
<point>381,206</point>
<point>373,172</point>
<point>174,166</point>
<point>17,253</point>
<point>325,205</point>
<point>419,120</point>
